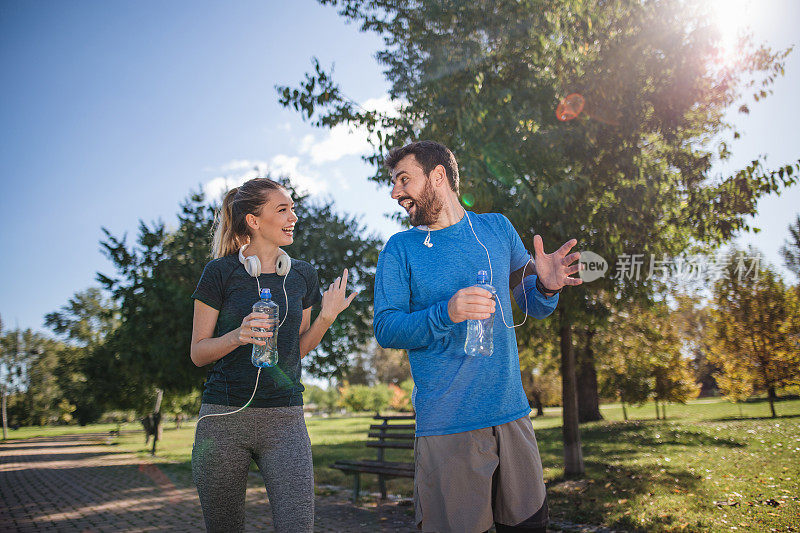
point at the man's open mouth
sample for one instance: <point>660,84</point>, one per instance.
<point>406,203</point>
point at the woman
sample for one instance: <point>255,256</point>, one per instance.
<point>256,219</point>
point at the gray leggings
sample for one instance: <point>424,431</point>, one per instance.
<point>277,439</point>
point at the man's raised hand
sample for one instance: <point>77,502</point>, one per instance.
<point>554,269</point>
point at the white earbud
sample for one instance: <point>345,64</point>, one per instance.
<point>427,242</point>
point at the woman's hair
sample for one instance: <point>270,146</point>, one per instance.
<point>231,231</point>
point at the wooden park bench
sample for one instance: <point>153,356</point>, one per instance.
<point>399,436</point>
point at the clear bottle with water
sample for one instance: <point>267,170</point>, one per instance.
<point>266,355</point>
<point>480,334</point>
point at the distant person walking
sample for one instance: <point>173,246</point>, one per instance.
<point>255,220</point>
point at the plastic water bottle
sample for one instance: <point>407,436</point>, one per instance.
<point>266,355</point>
<point>480,337</point>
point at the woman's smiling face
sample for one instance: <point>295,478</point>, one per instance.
<point>275,222</point>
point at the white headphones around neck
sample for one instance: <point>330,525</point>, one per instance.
<point>252,264</point>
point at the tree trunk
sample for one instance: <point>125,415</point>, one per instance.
<point>624,412</point>
<point>663,410</point>
<point>157,419</point>
<point>573,455</point>
<point>5,415</point>
<point>537,400</point>
<point>588,396</point>
<point>771,395</point>
<point>529,386</point>
<point>658,414</point>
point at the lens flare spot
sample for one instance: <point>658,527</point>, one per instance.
<point>570,107</point>
<point>498,165</point>
<point>467,199</point>
<point>161,480</point>
<point>281,379</point>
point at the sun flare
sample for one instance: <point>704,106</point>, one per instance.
<point>732,19</point>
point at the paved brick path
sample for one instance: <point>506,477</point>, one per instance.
<point>77,483</point>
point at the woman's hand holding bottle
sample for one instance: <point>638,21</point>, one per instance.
<point>248,332</point>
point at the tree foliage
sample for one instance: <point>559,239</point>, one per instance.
<point>642,357</point>
<point>791,248</point>
<point>31,378</point>
<point>360,398</point>
<point>754,331</point>
<point>332,242</point>
<point>85,322</point>
<point>632,174</point>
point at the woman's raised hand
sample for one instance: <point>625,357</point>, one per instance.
<point>247,334</point>
<point>334,300</point>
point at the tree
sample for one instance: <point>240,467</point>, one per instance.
<point>28,363</point>
<point>643,356</point>
<point>148,351</point>
<point>373,364</point>
<point>736,385</point>
<point>85,322</point>
<point>692,319</point>
<point>86,319</point>
<point>626,368</point>
<point>791,248</point>
<point>537,364</point>
<point>42,395</point>
<point>391,366</point>
<point>325,400</point>
<point>632,173</point>
<point>13,366</point>
<point>359,398</point>
<point>755,324</point>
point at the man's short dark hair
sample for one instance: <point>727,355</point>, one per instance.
<point>429,155</point>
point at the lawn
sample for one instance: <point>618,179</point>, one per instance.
<point>708,467</point>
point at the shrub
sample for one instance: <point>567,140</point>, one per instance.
<point>359,398</point>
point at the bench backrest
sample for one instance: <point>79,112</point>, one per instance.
<point>398,434</point>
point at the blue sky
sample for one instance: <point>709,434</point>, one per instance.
<point>112,112</point>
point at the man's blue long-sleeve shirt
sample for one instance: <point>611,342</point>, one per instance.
<point>454,392</point>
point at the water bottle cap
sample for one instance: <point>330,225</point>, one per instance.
<point>265,294</point>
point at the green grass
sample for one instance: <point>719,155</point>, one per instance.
<point>667,475</point>
<point>706,468</point>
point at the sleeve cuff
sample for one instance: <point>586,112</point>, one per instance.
<point>444,315</point>
<point>206,300</point>
<point>530,288</point>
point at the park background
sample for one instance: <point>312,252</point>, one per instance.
<point>643,388</point>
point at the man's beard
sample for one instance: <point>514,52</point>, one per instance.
<point>426,208</point>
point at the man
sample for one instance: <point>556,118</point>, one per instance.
<point>476,457</point>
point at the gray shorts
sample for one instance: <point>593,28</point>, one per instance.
<point>467,481</point>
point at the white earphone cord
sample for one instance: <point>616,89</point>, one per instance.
<point>285,296</point>
<point>491,279</point>
<point>239,409</point>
